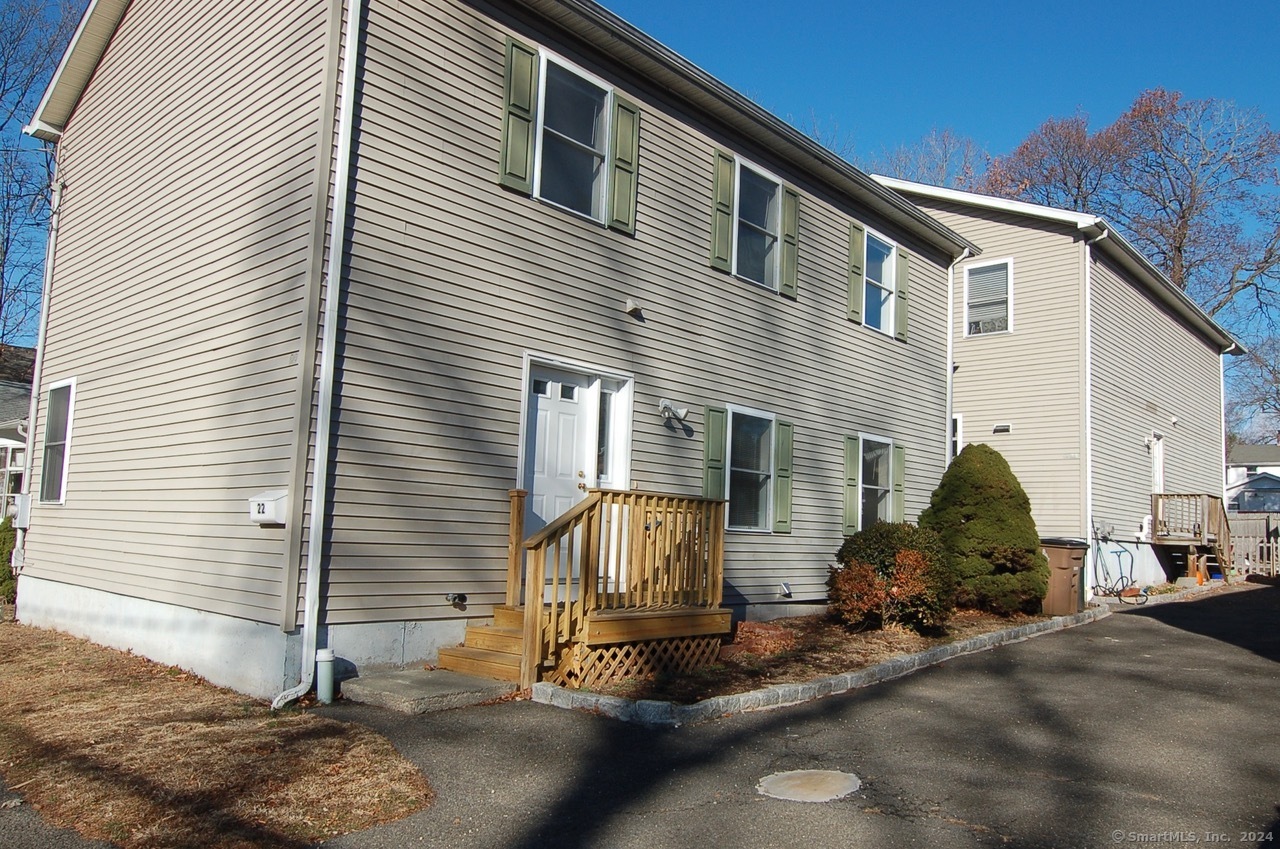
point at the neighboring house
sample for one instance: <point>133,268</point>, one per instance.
<point>1253,479</point>
<point>453,250</point>
<point>15,403</point>
<point>1097,379</point>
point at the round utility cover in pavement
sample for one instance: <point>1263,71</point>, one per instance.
<point>809,785</point>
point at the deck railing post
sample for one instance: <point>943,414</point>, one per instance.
<point>515,547</point>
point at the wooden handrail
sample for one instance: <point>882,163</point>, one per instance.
<point>619,551</point>
<point>556,526</point>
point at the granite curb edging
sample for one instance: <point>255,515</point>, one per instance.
<point>657,714</point>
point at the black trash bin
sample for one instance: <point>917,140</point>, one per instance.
<point>1066,575</point>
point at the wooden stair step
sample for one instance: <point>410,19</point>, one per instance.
<point>508,617</point>
<point>481,662</point>
<point>494,638</point>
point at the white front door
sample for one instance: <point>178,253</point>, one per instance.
<point>559,457</point>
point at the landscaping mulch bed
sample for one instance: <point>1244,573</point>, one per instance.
<point>799,649</point>
<point>143,755</point>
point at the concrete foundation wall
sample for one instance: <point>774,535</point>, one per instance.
<point>249,657</point>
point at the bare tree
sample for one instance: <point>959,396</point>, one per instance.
<point>942,158</point>
<point>34,34</point>
<point>1193,183</point>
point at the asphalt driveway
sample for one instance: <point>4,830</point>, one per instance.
<point>1159,726</point>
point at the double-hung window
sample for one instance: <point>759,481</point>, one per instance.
<point>569,139</point>
<point>759,219</point>
<point>878,275</point>
<point>875,469</point>
<point>987,291</point>
<point>748,463</point>
<point>57,442</point>
<point>755,224</point>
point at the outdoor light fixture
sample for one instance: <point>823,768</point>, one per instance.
<point>669,410</point>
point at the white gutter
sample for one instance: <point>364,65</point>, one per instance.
<point>951,348</point>
<point>1088,378</point>
<point>328,355</point>
<point>37,367</point>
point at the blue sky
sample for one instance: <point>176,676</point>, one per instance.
<point>885,72</point>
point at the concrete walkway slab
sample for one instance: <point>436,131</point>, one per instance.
<point>415,691</point>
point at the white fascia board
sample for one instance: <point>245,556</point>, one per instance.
<point>1034,210</point>
<point>79,61</point>
<point>1115,245</point>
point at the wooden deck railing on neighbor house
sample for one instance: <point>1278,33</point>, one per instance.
<point>1197,522</point>
<point>628,552</point>
<point>1190,519</point>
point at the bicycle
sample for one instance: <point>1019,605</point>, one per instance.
<point>1122,587</point>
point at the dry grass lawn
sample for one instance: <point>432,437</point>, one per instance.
<point>143,755</point>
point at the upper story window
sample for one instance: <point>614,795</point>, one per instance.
<point>755,225</point>
<point>986,298</point>
<point>879,271</point>
<point>569,139</point>
<point>748,463</point>
<point>57,442</point>
<point>756,250</point>
<point>880,283</point>
<point>572,141</point>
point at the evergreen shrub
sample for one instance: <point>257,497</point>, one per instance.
<point>892,573</point>
<point>983,517</point>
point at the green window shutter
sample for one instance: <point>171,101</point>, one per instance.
<point>852,466</point>
<point>722,213</point>
<point>782,477</point>
<point>857,283</point>
<point>714,441</point>
<point>625,156</point>
<point>900,294</point>
<point>899,477</point>
<point>790,243</point>
<point>519,117</point>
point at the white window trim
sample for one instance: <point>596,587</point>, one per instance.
<point>862,439</point>
<point>545,56</point>
<point>734,409</point>
<point>956,443</point>
<point>738,164</point>
<point>1008,292</point>
<point>891,316</point>
<point>66,443</point>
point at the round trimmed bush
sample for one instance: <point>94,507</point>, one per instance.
<point>983,517</point>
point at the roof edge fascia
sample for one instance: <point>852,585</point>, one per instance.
<point>1107,238</point>
<point>605,30</point>
<point>95,30</point>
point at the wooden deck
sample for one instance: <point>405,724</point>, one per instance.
<point>1195,522</point>
<point>621,583</point>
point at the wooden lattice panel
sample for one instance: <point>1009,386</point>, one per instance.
<point>596,666</point>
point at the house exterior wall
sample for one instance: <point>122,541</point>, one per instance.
<point>1031,377</point>
<point>1148,371</point>
<point>186,237</point>
<point>453,280</point>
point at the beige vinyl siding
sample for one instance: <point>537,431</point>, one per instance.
<point>1031,377</point>
<point>454,279</point>
<point>186,225</point>
<point>1148,369</point>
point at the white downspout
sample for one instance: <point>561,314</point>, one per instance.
<point>951,348</point>
<point>37,367</point>
<point>328,357</point>
<point>1088,391</point>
